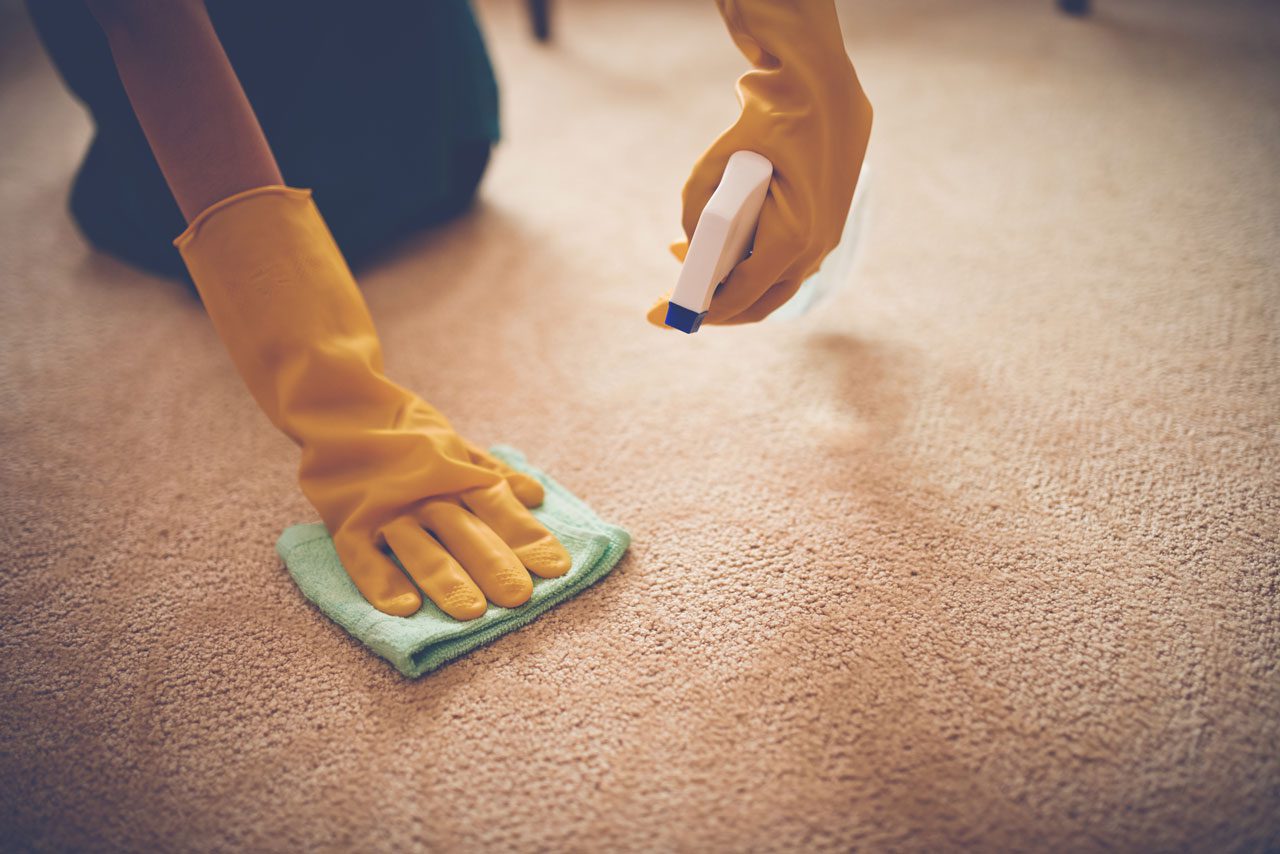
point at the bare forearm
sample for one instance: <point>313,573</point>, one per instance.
<point>188,100</point>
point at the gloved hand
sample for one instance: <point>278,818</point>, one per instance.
<point>384,469</point>
<point>803,108</point>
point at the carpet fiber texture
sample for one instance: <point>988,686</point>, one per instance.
<point>982,552</point>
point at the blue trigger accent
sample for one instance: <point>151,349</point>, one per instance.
<point>686,320</point>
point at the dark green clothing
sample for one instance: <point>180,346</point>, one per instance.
<point>387,110</point>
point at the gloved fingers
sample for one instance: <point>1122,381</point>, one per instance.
<point>434,570</point>
<point>658,314</point>
<point>377,577</point>
<point>486,558</point>
<point>538,549</point>
<point>680,248</point>
<point>773,253</point>
<point>773,299</point>
<point>525,487</point>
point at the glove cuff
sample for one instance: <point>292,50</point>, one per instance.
<point>182,241</point>
<point>286,306</point>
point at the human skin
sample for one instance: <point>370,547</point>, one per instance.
<point>384,468</point>
<point>188,100</point>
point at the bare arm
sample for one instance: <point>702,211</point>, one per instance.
<point>188,100</point>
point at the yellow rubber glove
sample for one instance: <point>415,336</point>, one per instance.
<point>804,109</point>
<point>384,469</point>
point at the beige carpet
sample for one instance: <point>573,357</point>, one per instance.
<point>985,553</point>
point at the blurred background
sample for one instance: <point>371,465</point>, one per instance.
<point>982,552</point>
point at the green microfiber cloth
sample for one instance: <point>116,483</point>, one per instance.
<point>430,638</point>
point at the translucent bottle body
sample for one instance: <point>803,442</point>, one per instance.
<point>838,268</point>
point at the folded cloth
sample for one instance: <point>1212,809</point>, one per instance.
<point>419,644</point>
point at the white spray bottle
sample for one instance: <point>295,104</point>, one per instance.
<point>723,238</point>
